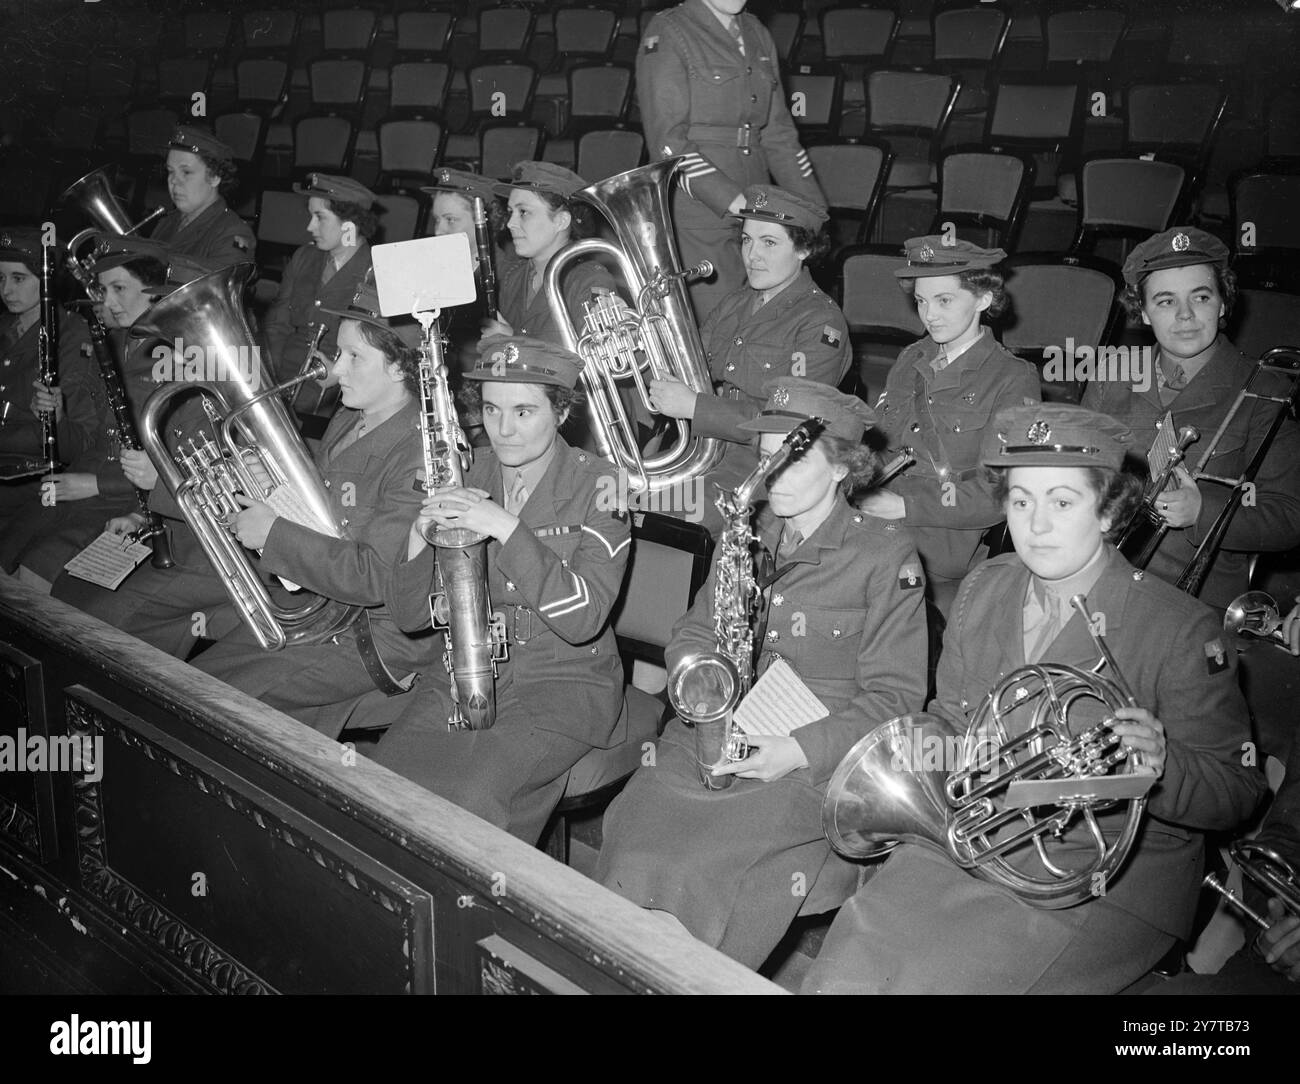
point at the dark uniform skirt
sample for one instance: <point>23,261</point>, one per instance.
<point>769,860</point>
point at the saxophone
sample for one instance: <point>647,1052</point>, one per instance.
<point>475,637</point>
<point>706,686</point>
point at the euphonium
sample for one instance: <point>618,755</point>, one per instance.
<point>1271,873</point>
<point>658,337</point>
<point>475,637</point>
<point>892,786</point>
<point>704,688</point>
<point>208,314</point>
<point>94,195</point>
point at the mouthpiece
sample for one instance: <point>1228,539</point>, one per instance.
<point>701,270</point>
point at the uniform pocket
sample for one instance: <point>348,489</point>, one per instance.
<point>828,647</point>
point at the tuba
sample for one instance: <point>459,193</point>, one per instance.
<point>95,197</point>
<point>892,786</point>
<point>475,636</point>
<point>208,314</point>
<point>658,337</point>
<point>705,687</point>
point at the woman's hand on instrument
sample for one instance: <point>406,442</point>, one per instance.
<point>471,509</point>
<point>253,524</point>
<point>1291,628</point>
<point>74,486</point>
<point>1280,943</point>
<point>672,397</point>
<point>1181,506</point>
<point>883,504</point>
<point>255,466</point>
<point>46,399</point>
<point>772,758</point>
<point>128,524</point>
<point>1143,736</point>
<point>139,469</point>
<point>494,325</point>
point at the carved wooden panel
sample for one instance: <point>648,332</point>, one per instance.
<point>239,891</point>
<point>26,790</point>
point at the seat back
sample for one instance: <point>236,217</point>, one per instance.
<point>502,145</point>
<point>419,86</point>
<point>1084,36</point>
<point>1264,319</point>
<point>1035,116</point>
<point>425,32</point>
<point>786,28</point>
<point>337,83</point>
<point>262,81</point>
<point>852,177</point>
<point>599,94</point>
<point>1283,139</point>
<point>1173,120</point>
<point>606,152</point>
<point>668,564</point>
<point>281,219</point>
<point>585,33</point>
<point>969,34</point>
<point>501,91</point>
<point>984,189</point>
<point>207,32</point>
<point>1269,205</point>
<point>148,131</point>
<point>1129,194</point>
<point>244,133</point>
<point>873,303</point>
<point>858,34</point>
<point>409,147</point>
<point>1053,300</point>
<point>267,30</point>
<point>400,217</point>
<point>324,144</point>
<point>816,93</point>
<point>505,31</point>
<point>349,30</point>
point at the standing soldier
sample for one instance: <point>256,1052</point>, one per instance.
<point>709,88</point>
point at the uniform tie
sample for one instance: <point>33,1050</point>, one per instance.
<point>940,362</point>
<point>328,271</point>
<point>518,495</point>
<point>1042,621</point>
<point>734,27</point>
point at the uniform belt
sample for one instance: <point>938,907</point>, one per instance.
<point>729,135</point>
<point>726,390</point>
<point>379,673</point>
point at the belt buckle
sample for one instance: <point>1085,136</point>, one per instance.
<point>527,633</point>
<point>743,135</point>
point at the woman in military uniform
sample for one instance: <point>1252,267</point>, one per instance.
<point>708,87</point>
<point>843,605</point>
<point>200,172</point>
<point>1180,285</point>
<point>557,551</point>
<point>779,323</point>
<point>93,489</point>
<point>320,278</point>
<point>922,924</point>
<point>369,458</point>
<point>939,398</point>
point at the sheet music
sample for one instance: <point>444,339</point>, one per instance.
<point>285,501</point>
<point>778,703</point>
<point>108,560</point>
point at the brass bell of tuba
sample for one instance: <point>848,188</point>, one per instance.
<point>893,785</point>
<point>658,338</point>
<point>208,314</point>
<point>94,196</point>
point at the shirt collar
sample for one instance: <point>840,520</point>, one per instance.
<point>532,472</point>
<point>1079,583</point>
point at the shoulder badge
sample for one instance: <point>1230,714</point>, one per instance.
<point>909,576</point>
<point>652,43</point>
<point>1216,659</point>
<point>830,336</point>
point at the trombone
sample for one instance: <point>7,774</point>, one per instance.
<point>1255,616</point>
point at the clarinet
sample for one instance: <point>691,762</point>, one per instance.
<point>153,531</point>
<point>487,274</point>
<point>48,359</point>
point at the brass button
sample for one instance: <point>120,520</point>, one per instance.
<point>595,651</point>
<point>731,368</point>
<point>857,518</point>
<point>327,483</point>
<point>956,427</point>
<point>778,600</point>
<point>737,341</point>
<point>773,635</point>
<point>509,585</point>
<point>835,634</point>
<point>916,427</point>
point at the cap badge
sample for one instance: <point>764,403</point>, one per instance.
<point>1182,242</point>
<point>6,241</point>
<point>781,396</point>
<point>444,176</point>
<point>926,254</point>
<point>760,201</point>
<point>1038,433</point>
<point>508,355</point>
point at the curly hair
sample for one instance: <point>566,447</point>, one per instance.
<point>565,402</point>
<point>147,270</point>
<point>363,218</point>
<point>1118,493</point>
<point>390,344</point>
<point>863,464</point>
<point>226,173</point>
<point>584,224</point>
<point>816,243</point>
<point>1225,281</point>
<point>984,280</point>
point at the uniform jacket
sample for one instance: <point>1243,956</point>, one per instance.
<point>847,615</point>
<point>701,97</point>
<point>534,317</point>
<point>218,234</point>
<point>942,417</point>
<point>375,489</point>
<point>289,327</point>
<point>20,433</point>
<point>1173,654</point>
<point>1281,828</point>
<point>556,580</point>
<point>1273,522</point>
